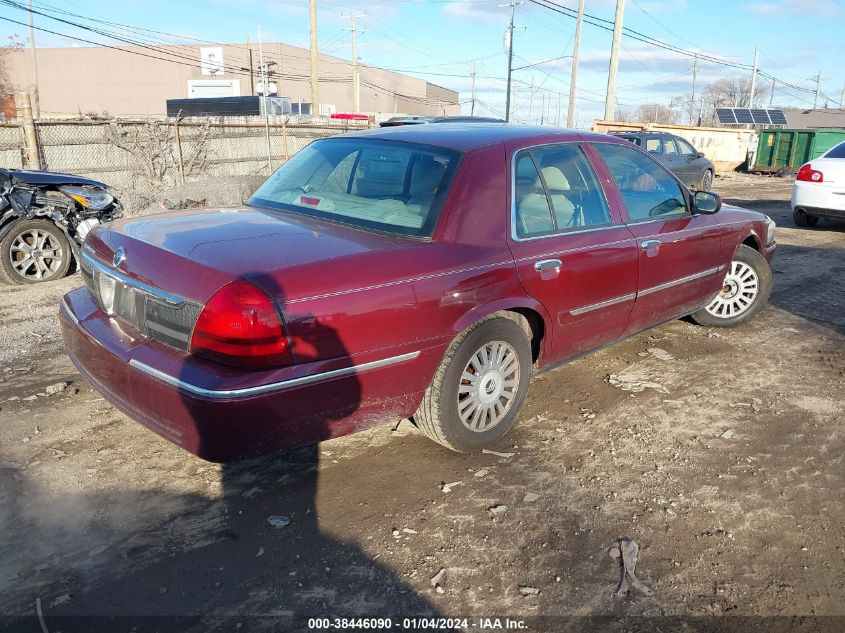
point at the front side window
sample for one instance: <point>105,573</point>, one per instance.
<point>556,190</point>
<point>386,186</point>
<point>686,148</point>
<point>648,190</point>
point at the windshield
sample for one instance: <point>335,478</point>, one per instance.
<point>837,151</point>
<point>387,186</point>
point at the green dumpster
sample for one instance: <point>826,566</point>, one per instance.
<point>777,149</point>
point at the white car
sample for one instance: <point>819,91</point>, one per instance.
<point>819,189</point>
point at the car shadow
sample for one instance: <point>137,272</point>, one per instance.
<point>253,556</point>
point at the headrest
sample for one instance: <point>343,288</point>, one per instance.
<point>555,180</point>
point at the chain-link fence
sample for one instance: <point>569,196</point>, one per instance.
<point>159,154</point>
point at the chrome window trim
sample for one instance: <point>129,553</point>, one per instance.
<point>134,283</point>
<point>679,281</point>
<point>603,304</point>
<point>224,394</point>
<point>587,229</point>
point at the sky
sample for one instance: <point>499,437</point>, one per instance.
<point>442,40</point>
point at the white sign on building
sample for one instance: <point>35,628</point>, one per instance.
<point>211,61</point>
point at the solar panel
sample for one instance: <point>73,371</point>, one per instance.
<point>743,115</point>
<point>760,116</point>
<point>726,115</point>
<point>750,116</point>
<point>778,117</point>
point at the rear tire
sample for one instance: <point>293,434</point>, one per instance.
<point>480,386</point>
<point>34,251</point>
<point>746,290</point>
<point>804,219</point>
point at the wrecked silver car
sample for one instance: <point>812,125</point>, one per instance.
<point>44,217</point>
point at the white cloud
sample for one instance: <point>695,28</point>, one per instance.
<point>796,7</point>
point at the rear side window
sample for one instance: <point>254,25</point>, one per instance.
<point>669,147</point>
<point>386,186</point>
<point>836,152</point>
<point>647,189</point>
<point>556,190</point>
<point>653,146</point>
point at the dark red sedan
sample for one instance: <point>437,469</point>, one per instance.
<point>423,272</point>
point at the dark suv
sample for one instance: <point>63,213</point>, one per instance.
<point>686,162</point>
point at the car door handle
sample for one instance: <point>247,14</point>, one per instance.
<point>649,244</point>
<point>547,264</point>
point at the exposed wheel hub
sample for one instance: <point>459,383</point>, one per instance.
<point>739,291</point>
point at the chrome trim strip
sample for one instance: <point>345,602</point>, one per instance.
<point>68,312</point>
<point>678,282</point>
<point>134,283</point>
<point>603,304</point>
<point>589,247</point>
<point>216,394</point>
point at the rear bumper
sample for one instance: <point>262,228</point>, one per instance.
<point>819,199</point>
<point>221,414</point>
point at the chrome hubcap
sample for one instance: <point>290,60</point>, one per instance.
<point>488,386</point>
<point>36,254</point>
<point>739,291</point>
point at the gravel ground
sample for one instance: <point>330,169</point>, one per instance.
<point>730,479</point>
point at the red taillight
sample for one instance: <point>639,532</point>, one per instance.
<point>808,174</point>
<point>241,326</point>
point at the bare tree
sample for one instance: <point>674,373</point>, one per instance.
<point>655,113</point>
<point>152,148</point>
<point>6,51</point>
<point>728,93</point>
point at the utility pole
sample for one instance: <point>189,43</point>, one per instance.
<point>472,107</point>
<point>356,79</point>
<point>816,96</point>
<point>614,60</point>
<point>315,80</point>
<point>754,77</point>
<point>573,81</point>
<point>842,97</point>
<point>251,72</point>
<point>531,100</point>
<point>692,97</point>
<point>36,102</point>
<point>509,42</point>
<point>772,93</point>
<point>265,88</point>
<point>557,118</point>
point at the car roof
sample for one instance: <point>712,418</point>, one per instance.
<point>466,137</point>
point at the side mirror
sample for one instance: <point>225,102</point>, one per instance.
<point>706,202</point>
<point>699,154</point>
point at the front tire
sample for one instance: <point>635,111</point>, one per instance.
<point>480,386</point>
<point>745,291</point>
<point>34,251</point>
<point>804,219</point>
<point>707,180</point>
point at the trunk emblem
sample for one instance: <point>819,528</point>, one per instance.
<point>119,257</point>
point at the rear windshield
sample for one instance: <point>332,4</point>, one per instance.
<point>836,152</point>
<point>386,186</point>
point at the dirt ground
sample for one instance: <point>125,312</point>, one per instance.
<point>730,479</point>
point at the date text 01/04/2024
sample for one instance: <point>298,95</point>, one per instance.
<point>415,624</point>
